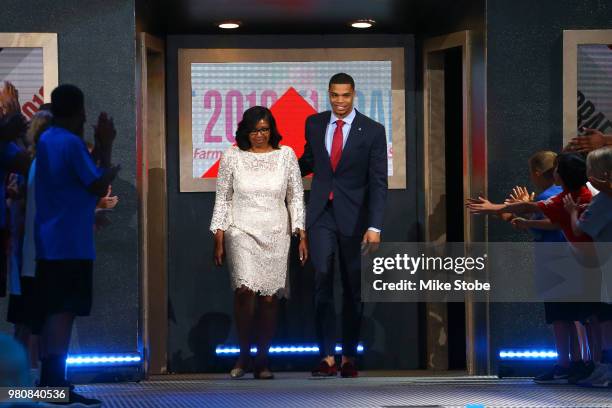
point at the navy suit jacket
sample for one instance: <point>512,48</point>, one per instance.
<point>360,180</point>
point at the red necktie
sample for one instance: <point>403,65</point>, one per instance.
<point>336,149</point>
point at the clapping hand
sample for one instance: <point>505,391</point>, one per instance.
<point>104,135</point>
<point>569,204</point>
<point>479,205</point>
<point>520,194</point>
<point>9,100</point>
<point>104,130</point>
<point>108,202</point>
<point>10,112</point>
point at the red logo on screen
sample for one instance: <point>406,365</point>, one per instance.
<point>290,112</point>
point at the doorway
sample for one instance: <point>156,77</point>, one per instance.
<point>151,153</point>
<point>454,331</point>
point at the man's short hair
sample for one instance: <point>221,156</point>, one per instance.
<point>67,101</point>
<point>342,78</point>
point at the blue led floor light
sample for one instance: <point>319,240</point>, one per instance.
<point>297,349</point>
<point>88,360</point>
<point>525,354</point>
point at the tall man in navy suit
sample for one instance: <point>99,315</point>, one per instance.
<point>347,151</point>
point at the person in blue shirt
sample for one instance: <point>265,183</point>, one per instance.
<point>69,181</point>
<point>596,222</point>
<point>13,159</point>
<point>560,315</point>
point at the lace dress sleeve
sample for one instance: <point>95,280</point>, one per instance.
<point>295,193</point>
<point>222,214</point>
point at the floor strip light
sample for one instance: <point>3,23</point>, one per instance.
<point>83,360</point>
<point>527,354</point>
<point>289,349</point>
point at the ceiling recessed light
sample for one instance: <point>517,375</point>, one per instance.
<point>229,25</point>
<point>362,23</point>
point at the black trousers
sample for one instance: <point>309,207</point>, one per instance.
<point>326,243</point>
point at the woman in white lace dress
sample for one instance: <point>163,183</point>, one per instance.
<point>259,204</point>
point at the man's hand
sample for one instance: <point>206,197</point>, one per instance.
<point>370,241</point>
<point>592,140</point>
<point>219,253</point>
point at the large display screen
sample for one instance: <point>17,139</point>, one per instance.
<point>293,90</point>
<point>294,85</point>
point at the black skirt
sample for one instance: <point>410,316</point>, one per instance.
<point>65,286</point>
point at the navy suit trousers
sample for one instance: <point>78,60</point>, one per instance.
<point>327,244</point>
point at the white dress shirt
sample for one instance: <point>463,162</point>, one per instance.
<point>331,128</point>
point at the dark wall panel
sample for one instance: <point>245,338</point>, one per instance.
<point>524,114</point>
<point>96,49</point>
<point>200,295</point>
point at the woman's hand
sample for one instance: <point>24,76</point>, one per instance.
<point>219,247</point>
<point>303,248</point>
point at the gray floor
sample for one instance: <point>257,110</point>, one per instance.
<point>370,390</point>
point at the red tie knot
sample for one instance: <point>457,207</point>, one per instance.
<point>340,123</point>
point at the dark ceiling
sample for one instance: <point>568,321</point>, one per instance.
<point>300,16</point>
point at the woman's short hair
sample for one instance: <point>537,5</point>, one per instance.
<point>571,168</point>
<point>249,121</point>
<point>544,162</point>
<point>599,163</point>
